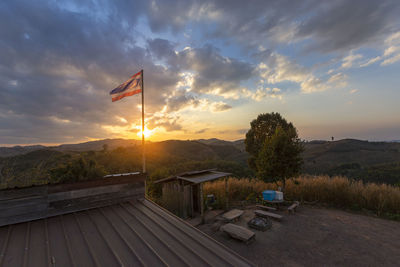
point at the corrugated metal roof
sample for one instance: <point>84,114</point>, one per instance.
<point>196,177</point>
<point>128,234</point>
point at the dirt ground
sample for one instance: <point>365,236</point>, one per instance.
<point>319,237</point>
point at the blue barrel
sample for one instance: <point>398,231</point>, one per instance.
<point>268,195</point>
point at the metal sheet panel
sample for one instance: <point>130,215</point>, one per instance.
<point>127,234</point>
<point>203,177</point>
<point>196,177</point>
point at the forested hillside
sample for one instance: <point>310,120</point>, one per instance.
<point>368,161</point>
<point>163,159</point>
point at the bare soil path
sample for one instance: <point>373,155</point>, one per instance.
<point>319,237</point>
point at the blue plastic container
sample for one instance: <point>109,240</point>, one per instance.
<point>268,195</point>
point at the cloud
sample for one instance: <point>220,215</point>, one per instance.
<point>338,80</point>
<point>262,93</point>
<point>394,38</point>
<point>59,60</point>
<point>333,26</point>
<point>345,25</point>
<point>212,73</point>
<point>277,68</point>
<point>350,60</point>
<point>61,65</point>
<point>392,52</point>
<point>371,61</point>
<point>201,131</point>
<point>390,55</point>
<point>391,60</point>
<point>219,106</point>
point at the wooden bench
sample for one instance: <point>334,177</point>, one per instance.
<point>238,232</point>
<point>292,208</point>
<point>266,207</point>
<point>266,214</point>
<point>232,215</point>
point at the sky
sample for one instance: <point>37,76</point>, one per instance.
<point>332,68</point>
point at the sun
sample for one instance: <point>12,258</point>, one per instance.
<point>147,132</point>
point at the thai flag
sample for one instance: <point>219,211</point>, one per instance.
<point>132,86</point>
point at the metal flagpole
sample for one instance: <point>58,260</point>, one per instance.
<point>143,150</point>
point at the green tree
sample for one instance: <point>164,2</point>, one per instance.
<point>279,157</point>
<point>262,128</point>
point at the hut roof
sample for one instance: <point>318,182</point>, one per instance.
<point>196,177</point>
<point>126,234</point>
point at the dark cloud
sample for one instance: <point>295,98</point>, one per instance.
<point>57,68</point>
<point>161,48</point>
<point>344,25</point>
<point>212,71</point>
<point>59,59</point>
<point>336,25</point>
<point>171,14</point>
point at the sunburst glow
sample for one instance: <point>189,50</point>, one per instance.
<point>147,132</point>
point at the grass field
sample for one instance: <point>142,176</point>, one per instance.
<point>382,199</point>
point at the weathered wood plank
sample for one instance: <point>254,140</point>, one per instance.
<point>266,214</point>
<point>91,191</point>
<point>26,204</point>
<point>238,232</point>
<point>15,193</point>
<point>292,208</point>
<point>29,207</point>
<point>17,202</point>
<point>96,183</point>
<point>232,214</point>
<point>266,207</point>
<point>126,191</point>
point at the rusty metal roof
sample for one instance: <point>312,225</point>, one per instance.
<point>196,177</point>
<point>128,234</point>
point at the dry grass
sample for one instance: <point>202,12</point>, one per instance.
<point>337,191</point>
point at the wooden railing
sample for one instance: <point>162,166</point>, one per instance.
<point>26,204</point>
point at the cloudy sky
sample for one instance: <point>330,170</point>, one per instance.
<point>210,67</point>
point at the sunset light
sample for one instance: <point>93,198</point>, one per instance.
<point>156,132</point>
<point>147,132</point>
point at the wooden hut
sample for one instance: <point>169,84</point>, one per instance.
<point>183,194</point>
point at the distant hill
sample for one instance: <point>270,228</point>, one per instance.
<point>80,147</point>
<point>322,155</point>
<point>368,161</point>
<point>67,162</point>
<point>97,145</point>
<point>18,150</point>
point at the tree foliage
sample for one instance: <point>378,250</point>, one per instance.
<point>262,128</point>
<point>279,157</point>
<point>274,147</point>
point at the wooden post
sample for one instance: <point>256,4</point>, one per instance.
<point>191,201</point>
<point>201,203</point>
<point>226,193</point>
<point>143,149</point>
<point>182,199</point>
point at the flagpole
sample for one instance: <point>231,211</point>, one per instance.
<point>143,149</point>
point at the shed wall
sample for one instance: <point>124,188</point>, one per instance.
<point>178,198</point>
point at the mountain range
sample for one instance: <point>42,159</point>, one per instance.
<point>368,161</point>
